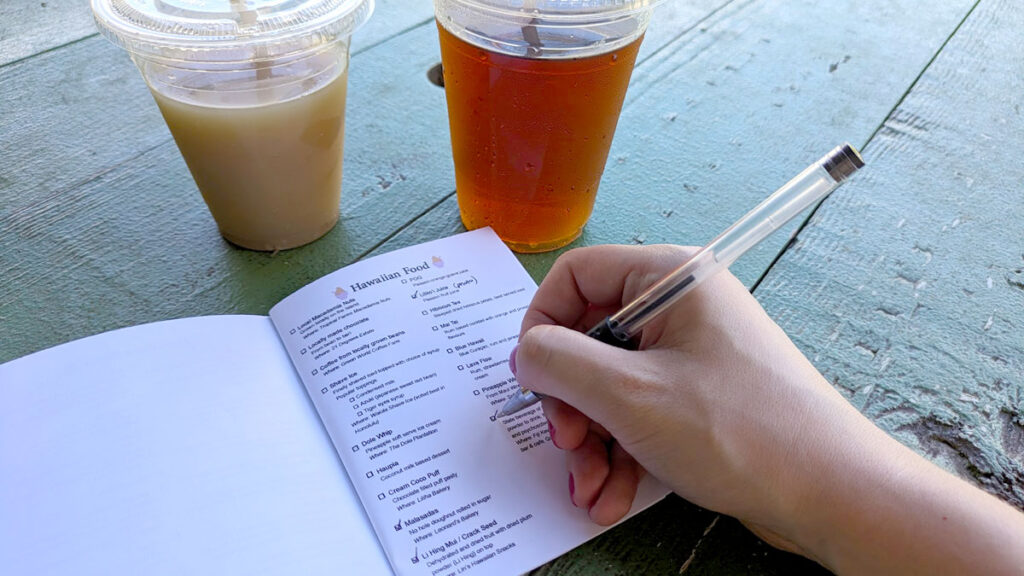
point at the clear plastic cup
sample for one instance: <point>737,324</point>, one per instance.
<point>534,90</point>
<point>253,92</point>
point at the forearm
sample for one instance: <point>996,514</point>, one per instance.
<point>882,509</point>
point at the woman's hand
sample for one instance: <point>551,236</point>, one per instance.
<point>719,405</point>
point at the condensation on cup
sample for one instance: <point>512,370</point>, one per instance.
<point>534,91</point>
<point>253,92</point>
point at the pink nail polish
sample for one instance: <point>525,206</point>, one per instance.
<point>572,489</point>
<point>512,360</point>
<point>551,432</point>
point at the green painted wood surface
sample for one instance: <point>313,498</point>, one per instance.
<point>917,314</point>
<point>738,105</point>
<point>28,28</point>
<point>101,225</point>
<point>748,100</point>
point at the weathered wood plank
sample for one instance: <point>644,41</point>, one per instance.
<point>746,102</point>
<point>907,288</point>
<point>729,548</point>
<point>626,550</point>
<point>391,18</point>
<point>28,27</point>
<point>85,193</point>
<point>743,102</point>
<point>669,22</point>
<point>68,116</point>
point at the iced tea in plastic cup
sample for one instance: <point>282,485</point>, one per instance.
<point>253,92</point>
<point>534,91</point>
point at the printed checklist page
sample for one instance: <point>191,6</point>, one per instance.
<point>405,356</point>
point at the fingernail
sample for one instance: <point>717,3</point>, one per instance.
<point>512,360</point>
<point>551,432</point>
<point>572,489</point>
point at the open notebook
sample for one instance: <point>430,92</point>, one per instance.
<point>351,432</point>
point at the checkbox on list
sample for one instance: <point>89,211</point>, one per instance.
<point>323,390</point>
<point>303,351</point>
<point>434,328</point>
<point>369,474</point>
<point>380,496</point>
<point>493,417</point>
<point>315,372</point>
<point>450,350</point>
<point>360,413</point>
<point>292,331</point>
<point>461,367</point>
<point>476,392</point>
<point>351,398</point>
<point>355,448</point>
<point>424,312</point>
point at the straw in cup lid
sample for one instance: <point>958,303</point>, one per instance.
<point>565,11</point>
<point>226,30</point>
<point>546,28</point>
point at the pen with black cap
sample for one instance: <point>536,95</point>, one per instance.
<point>814,183</point>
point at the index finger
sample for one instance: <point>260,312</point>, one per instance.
<point>599,277</point>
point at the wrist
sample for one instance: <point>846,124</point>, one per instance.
<point>830,471</point>
<point>879,507</point>
<point>853,475</point>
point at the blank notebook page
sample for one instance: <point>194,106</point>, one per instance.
<point>182,447</point>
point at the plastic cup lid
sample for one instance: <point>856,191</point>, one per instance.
<point>566,11</point>
<point>226,30</point>
<point>546,29</point>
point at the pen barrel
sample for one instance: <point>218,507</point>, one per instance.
<point>605,332</point>
<point>814,183</point>
<point>808,187</point>
<point>627,323</point>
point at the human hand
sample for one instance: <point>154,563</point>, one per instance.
<point>717,403</point>
<point>721,406</point>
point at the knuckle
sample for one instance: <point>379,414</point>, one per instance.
<point>564,264</point>
<point>672,252</point>
<point>534,348</point>
<point>577,253</point>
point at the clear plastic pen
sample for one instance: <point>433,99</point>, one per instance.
<point>814,183</point>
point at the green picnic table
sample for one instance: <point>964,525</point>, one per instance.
<point>905,288</point>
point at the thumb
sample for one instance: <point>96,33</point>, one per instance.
<point>575,368</point>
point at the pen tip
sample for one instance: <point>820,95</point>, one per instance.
<point>508,409</point>
<point>517,402</point>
